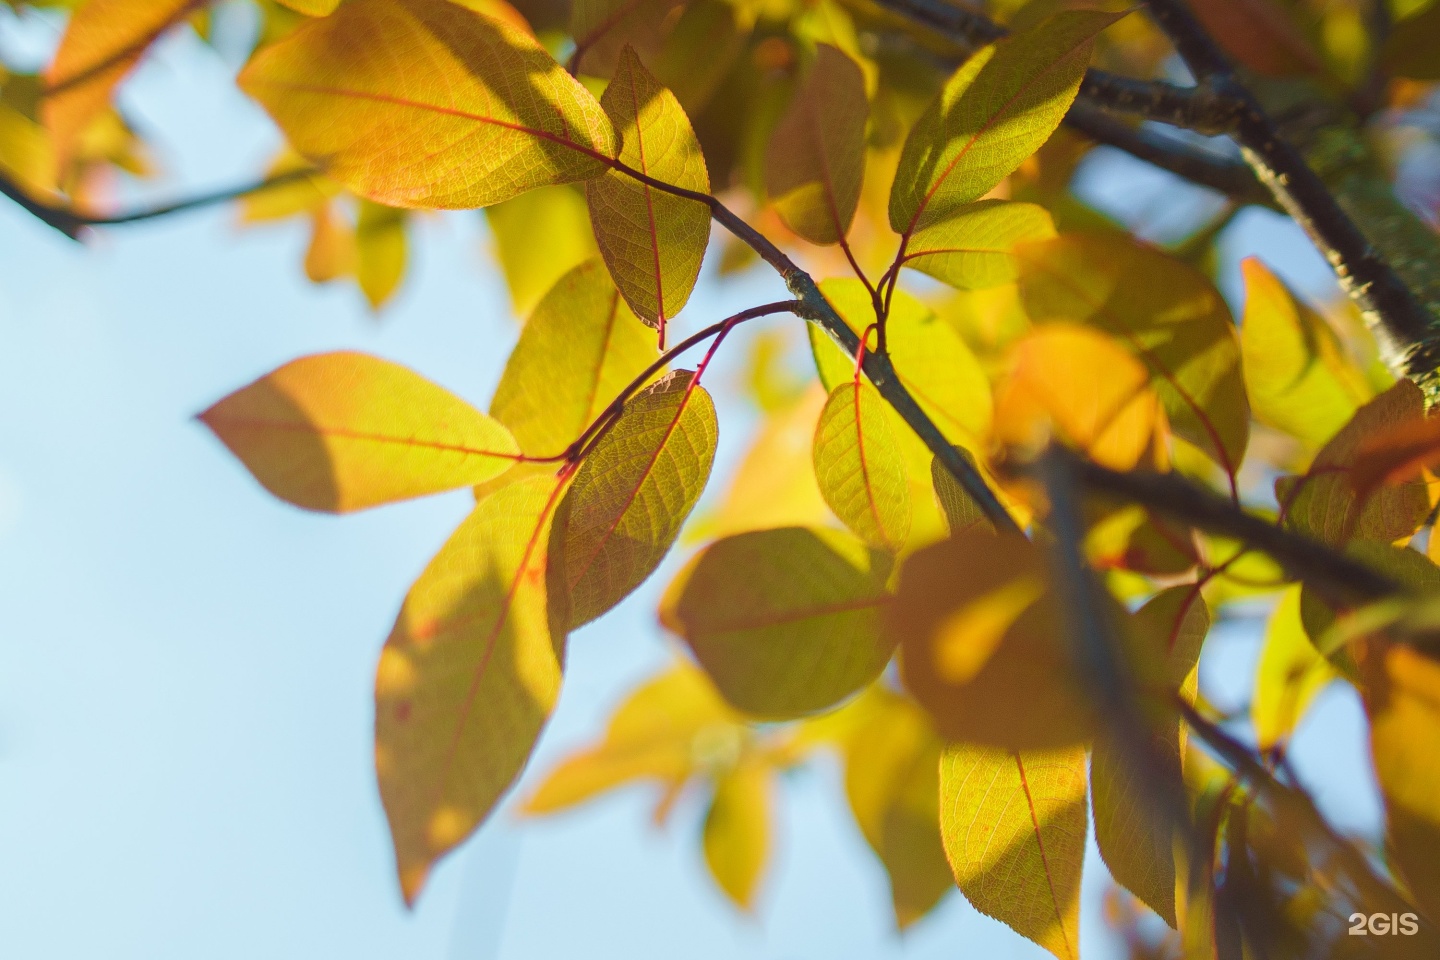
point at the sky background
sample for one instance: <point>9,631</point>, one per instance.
<point>186,662</point>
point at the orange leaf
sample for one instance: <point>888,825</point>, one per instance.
<point>1396,454</point>
<point>345,431</point>
<point>423,103</point>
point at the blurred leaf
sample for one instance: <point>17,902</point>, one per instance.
<point>295,196</point>
<point>1296,372</point>
<point>27,155</point>
<point>816,159</point>
<point>1413,47</point>
<point>737,830</point>
<point>103,42</point>
<point>1166,312</point>
<point>859,469</point>
<point>997,109</point>
<point>974,248</point>
<point>1289,675</point>
<point>1396,455</point>
<point>604,28</point>
<point>331,254</point>
<point>1260,34</point>
<point>380,251</point>
<point>1086,391</point>
<point>539,237</point>
<point>312,8</point>
<point>632,494</point>
<point>1014,830</point>
<point>467,678</point>
<point>468,111</point>
<point>343,431</point>
<point>652,241</point>
<point>785,621</point>
<point>978,622</point>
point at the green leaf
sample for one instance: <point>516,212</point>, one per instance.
<point>467,678</point>
<point>1166,312</point>
<point>1014,831</point>
<point>423,103</point>
<point>1296,371</point>
<point>975,248</point>
<point>816,160</point>
<point>785,621</point>
<point>960,509</point>
<point>578,350</point>
<point>858,466</point>
<point>1291,672</point>
<point>652,241</point>
<point>998,108</point>
<point>633,493</point>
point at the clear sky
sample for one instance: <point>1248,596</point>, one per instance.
<point>186,663</point>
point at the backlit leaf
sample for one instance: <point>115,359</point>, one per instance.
<point>1086,391</point>
<point>859,469</point>
<point>468,677</point>
<point>960,509</point>
<point>604,28</point>
<point>27,155</point>
<point>652,241</point>
<point>103,42</point>
<point>1323,504</point>
<point>633,493</point>
<point>1297,375</point>
<point>1014,831</point>
<point>344,431</point>
<point>737,830</point>
<point>816,159</point>
<point>291,197</point>
<point>539,237</point>
<point>422,103</point>
<point>977,621</point>
<point>312,8</point>
<point>975,247</point>
<point>785,621</point>
<point>1163,310</point>
<point>892,765</point>
<point>1291,672</point>
<point>331,253</point>
<point>1395,455</point>
<point>380,251</point>
<point>997,109</point>
<point>578,350</point>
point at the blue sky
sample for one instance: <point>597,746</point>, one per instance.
<point>186,663</point>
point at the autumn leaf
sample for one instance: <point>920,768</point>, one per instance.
<point>1296,373</point>
<point>892,765</point>
<point>1261,35</point>
<point>344,431</point>
<point>632,494</point>
<point>539,237</point>
<point>976,621</point>
<point>736,836</point>
<point>331,253</point>
<point>1290,673</point>
<point>604,28</point>
<point>1014,831</point>
<point>312,8</point>
<point>1395,455</point>
<point>816,159</point>
<point>295,195</point>
<point>858,466</point>
<point>975,247</point>
<point>960,509</point>
<point>1080,387</point>
<point>1167,313</point>
<point>103,42</point>
<point>785,621</point>
<point>445,108</point>
<point>578,350</point>
<point>27,153</point>
<point>1411,49</point>
<point>652,240</point>
<point>996,111</point>
<point>1323,502</point>
<point>380,251</point>
<point>468,677</point>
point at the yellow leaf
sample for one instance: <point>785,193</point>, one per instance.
<point>539,237</point>
<point>632,494</point>
<point>998,108</point>
<point>652,241</point>
<point>103,42</point>
<point>331,253</point>
<point>1134,841</point>
<point>312,8</point>
<point>1014,831</point>
<point>578,350</point>
<point>380,251</point>
<point>786,621</point>
<point>302,195</point>
<point>1167,313</point>
<point>1082,388</point>
<point>977,621</point>
<point>737,830</point>
<point>960,510</point>
<point>344,431</point>
<point>1296,372</point>
<point>27,156</point>
<point>974,248</point>
<point>892,780</point>
<point>816,159</point>
<point>1323,504</point>
<point>1291,672</point>
<point>665,731</point>
<point>859,469</point>
<point>441,107</point>
<point>467,678</point>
